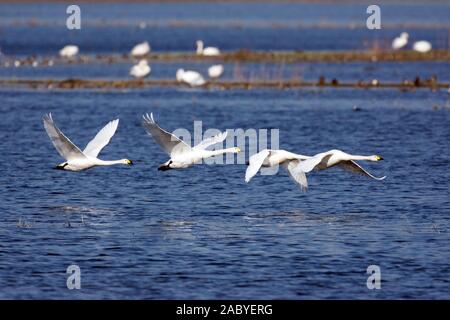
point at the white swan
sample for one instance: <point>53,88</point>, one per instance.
<point>140,70</point>
<point>422,46</point>
<point>192,78</point>
<point>77,160</point>
<point>208,51</point>
<point>215,71</point>
<point>400,41</point>
<point>181,154</point>
<point>141,49</point>
<point>69,51</point>
<point>339,158</point>
<point>271,158</point>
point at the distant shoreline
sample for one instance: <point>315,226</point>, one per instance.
<point>74,83</point>
<point>255,57</point>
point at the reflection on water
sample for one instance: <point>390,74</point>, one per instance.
<point>81,209</point>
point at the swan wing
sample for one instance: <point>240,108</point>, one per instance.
<point>101,139</point>
<point>62,144</point>
<point>296,174</point>
<point>255,163</point>
<point>309,164</point>
<point>168,141</point>
<point>352,166</point>
<point>211,141</point>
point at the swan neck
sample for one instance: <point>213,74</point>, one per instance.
<point>360,158</point>
<point>109,162</point>
<point>199,47</point>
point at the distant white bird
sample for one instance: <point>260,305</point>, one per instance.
<point>77,160</point>
<point>215,71</point>
<point>339,158</point>
<point>271,158</point>
<point>208,51</point>
<point>140,70</point>
<point>69,51</point>
<point>192,78</point>
<point>181,154</point>
<point>422,46</point>
<point>141,49</point>
<point>400,41</point>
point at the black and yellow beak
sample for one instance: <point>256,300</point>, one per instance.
<point>379,158</point>
<point>61,166</point>
<point>129,162</point>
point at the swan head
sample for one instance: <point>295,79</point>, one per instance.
<point>61,166</point>
<point>143,62</point>
<point>165,166</point>
<point>236,150</point>
<point>127,162</point>
<point>377,158</point>
<point>199,46</point>
<point>404,35</point>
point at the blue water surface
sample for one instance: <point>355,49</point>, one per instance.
<point>115,28</point>
<point>203,232</point>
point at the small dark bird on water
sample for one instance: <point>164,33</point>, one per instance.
<point>417,82</point>
<point>321,81</point>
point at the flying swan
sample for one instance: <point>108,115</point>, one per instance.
<point>297,165</point>
<point>181,154</point>
<point>338,158</point>
<point>77,160</point>
<point>271,158</point>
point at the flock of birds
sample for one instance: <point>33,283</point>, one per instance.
<point>142,69</point>
<point>183,156</point>
<point>194,78</point>
<point>401,41</point>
